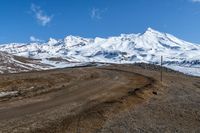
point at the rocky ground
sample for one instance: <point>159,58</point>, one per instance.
<point>105,99</point>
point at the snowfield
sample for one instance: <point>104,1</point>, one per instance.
<point>145,47</point>
<point>195,71</point>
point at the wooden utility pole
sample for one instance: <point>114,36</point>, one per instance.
<point>161,69</point>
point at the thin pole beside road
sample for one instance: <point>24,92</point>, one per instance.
<point>161,70</point>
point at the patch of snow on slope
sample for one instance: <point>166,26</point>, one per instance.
<point>9,93</point>
<point>195,71</point>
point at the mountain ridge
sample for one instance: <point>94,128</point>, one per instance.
<point>126,48</point>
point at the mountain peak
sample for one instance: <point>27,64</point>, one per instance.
<point>153,33</point>
<point>52,41</point>
<point>152,30</point>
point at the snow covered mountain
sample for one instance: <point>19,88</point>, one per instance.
<point>126,48</point>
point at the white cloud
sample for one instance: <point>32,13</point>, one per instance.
<point>34,39</point>
<point>41,17</point>
<point>195,1</point>
<point>97,13</point>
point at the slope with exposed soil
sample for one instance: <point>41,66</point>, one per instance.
<point>14,64</point>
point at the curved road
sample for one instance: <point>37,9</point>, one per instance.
<point>96,86</point>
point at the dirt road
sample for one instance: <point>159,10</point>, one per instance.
<point>87,89</point>
<point>115,98</point>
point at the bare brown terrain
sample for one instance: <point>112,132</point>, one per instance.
<point>106,99</point>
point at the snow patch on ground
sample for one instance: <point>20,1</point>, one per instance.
<point>9,93</point>
<point>195,71</point>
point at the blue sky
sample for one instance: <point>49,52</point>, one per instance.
<point>26,20</point>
